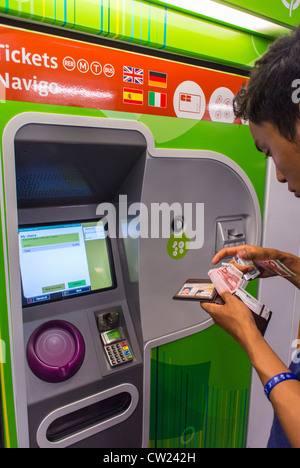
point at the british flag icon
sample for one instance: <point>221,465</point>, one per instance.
<point>133,75</point>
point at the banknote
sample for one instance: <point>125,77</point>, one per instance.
<point>275,266</point>
<point>252,274</point>
<point>227,278</point>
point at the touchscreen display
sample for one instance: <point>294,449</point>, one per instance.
<point>62,260</point>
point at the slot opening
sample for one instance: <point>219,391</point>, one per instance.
<point>88,416</point>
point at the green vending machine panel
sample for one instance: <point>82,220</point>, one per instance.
<point>199,393</point>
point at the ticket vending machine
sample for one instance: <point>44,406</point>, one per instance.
<point>82,339</point>
<point>94,304</point>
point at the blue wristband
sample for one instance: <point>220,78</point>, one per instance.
<point>277,379</point>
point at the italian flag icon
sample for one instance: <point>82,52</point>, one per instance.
<point>157,99</point>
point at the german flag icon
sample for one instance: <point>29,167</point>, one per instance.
<point>157,79</point>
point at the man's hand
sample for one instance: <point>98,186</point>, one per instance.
<point>235,318</point>
<point>249,252</point>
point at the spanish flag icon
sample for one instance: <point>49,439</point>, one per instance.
<point>133,96</point>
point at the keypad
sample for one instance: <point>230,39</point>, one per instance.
<point>118,353</point>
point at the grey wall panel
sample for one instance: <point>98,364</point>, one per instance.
<point>225,196</point>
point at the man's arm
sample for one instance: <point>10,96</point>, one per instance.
<point>237,320</point>
<point>285,397</point>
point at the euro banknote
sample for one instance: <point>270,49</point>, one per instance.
<point>227,278</point>
<point>275,266</point>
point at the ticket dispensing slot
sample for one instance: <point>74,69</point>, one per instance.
<point>230,233</point>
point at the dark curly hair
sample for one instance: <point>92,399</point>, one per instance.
<point>268,95</point>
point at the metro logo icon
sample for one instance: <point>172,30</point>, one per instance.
<point>96,68</point>
<point>109,70</point>
<point>69,63</point>
<point>83,66</point>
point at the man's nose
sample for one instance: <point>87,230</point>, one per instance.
<point>280,177</point>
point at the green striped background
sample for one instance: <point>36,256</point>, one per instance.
<point>144,23</point>
<point>199,393</point>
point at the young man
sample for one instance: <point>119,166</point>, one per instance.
<point>270,103</point>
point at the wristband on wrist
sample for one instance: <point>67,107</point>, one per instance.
<point>277,379</point>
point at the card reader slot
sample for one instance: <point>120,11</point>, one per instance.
<point>230,233</point>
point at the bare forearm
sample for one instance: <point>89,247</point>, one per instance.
<point>236,319</point>
<point>285,397</point>
<point>264,359</point>
<point>293,263</point>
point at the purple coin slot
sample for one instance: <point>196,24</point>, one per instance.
<point>55,351</point>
